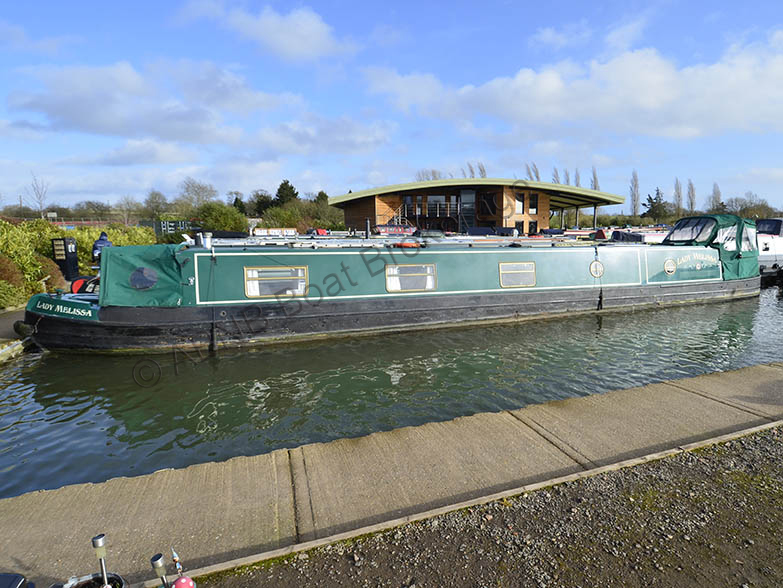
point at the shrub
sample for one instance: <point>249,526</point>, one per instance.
<point>10,272</point>
<point>11,295</point>
<point>50,268</point>
<point>16,242</point>
<point>216,216</point>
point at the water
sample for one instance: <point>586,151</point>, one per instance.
<point>67,418</point>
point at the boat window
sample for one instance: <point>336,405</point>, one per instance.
<point>691,229</point>
<point>519,274</point>
<point>270,281</point>
<point>410,278</point>
<point>727,237</point>
<point>749,239</point>
<point>768,226</point>
<point>143,278</point>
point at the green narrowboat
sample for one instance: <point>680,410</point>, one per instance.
<point>244,293</point>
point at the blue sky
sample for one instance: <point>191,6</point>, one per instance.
<point>102,100</point>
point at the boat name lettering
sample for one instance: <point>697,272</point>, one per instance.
<point>63,309</point>
<point>697,257</point>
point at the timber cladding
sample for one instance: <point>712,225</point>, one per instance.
<point>358,210</point>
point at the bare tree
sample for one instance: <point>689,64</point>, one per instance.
<point>555,176</point>
<point>566,178</point>
<point>634,194</point>
<point>536,175</point>
<point>424,175</point>
<point>127,206</point>
<point>678,196</point>
<point>691,196</point>
<point>37,194</point>
<point>529,171</point>
<point>594,180</point>
<point>716,200</point>
<point>481,169</point>
<point>471,171</point>
<point>577,180</point>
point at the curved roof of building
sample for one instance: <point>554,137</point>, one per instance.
<point>560,195</point>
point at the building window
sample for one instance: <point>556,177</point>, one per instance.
<point>520,198</point>
<point>517,274</point>
<point>264,282</point>
<point>410,278</point>
<point>532,206</point>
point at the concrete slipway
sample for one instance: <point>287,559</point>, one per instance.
<point>221,512</point>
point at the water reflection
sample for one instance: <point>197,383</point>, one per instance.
<point>74,418</point>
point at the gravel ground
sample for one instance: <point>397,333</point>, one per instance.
<point>712,517</point>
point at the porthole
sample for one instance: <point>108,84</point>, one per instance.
<point>143,278</point>
<point>669,266</point>
<point>596,268</point>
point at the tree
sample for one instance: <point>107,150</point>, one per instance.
<point>322,198</point>
<point>577,180</point>
<point>656,207</point>
<point>691,196</point>
<point>92,209</point>
<point>482,171</point>
<point>259,201</point>
<point>715,204</point>
<point>634,194</point>
<point>155,204</point>
<point>216,216</point>
<point>594,180</point>
<point>235,200</point>
<point>677,196</point>
<point>285,193</point>
<point>194,194</point>
<point>566,177</point>
<point>37,194</point>
<point>751,206</point>
<point>127,206</point>
<point>555,176</point>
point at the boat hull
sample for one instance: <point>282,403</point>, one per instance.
<point>154,328</point>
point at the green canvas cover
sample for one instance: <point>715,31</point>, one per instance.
<point>140,275</point>
<point>735,240</point>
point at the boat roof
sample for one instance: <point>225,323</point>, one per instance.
<point>560,195</point>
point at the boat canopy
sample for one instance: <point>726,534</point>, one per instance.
<point>732,236</point>
<point>141,275</point>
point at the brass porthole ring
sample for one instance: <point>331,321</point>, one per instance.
<point>596,268</point>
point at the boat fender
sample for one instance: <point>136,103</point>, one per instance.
<point>406,245</point>
<point>515,244</point>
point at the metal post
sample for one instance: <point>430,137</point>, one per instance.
<point>595,217</point>
<point>367,228</point>
<point>577,217</point>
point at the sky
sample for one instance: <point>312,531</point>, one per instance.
<point>100,100</point>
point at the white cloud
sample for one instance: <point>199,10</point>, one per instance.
<point>633,92</point>
<point>205,83</point>
<point>15,38</point>
<point>317,134</point>
<point>117,100</point>
<point>299,36</point>
<point>624,36</point>
<point>139,152</point>
<point>570,35</point>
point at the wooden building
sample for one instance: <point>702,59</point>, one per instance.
<point>463,204</point>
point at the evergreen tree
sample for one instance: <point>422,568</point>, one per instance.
<point>285,193</point>
<point>322,198</point>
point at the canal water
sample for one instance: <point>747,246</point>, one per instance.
<point>68,418</point>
